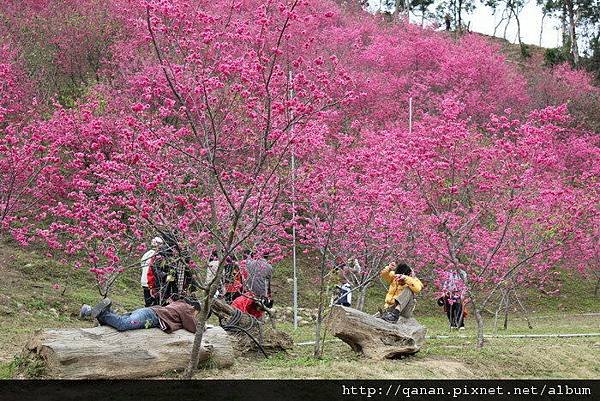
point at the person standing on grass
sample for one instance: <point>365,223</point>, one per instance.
<point>452,300</point>
<point>145,264</point>
<point>339,286</point>
<point>232,280</point>
<point>256,274</point>
<point>403,288</point>
<point>211,268</point>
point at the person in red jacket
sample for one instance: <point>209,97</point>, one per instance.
<point>256,298</point>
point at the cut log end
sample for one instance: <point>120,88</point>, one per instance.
<point>374,337</point>
<point>271,340</point>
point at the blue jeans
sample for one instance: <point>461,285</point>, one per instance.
<point>143,318</point>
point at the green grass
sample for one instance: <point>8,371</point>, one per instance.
<point>455,358</point>
<point>29,300</point>
<point>6,370</point>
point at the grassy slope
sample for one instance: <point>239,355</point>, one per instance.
<point>29,302</point>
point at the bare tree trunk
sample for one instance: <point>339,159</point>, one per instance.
<point>318,350</point>
<point>563,23</point>
<point>209,294</point>
<point>502,18</point>
<point>479,321</point>
<point>525,314</point>
<point>506,309</point>
<point>94,353</point>
<point>360,305</point>
<point>459,7</point>
<point>373,337</point>
<point>506,26</point>
<point>572,33</point>
<point>200,327</point>
<point>542,26</point>
<point>498,312</point>
<point>513,10</point>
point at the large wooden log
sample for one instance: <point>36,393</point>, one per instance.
<point>271,339</point>
<point>374,337</point>
<point>104,353</point>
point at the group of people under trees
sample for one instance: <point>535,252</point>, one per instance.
<point>168,284</point>
<point>245,283</point>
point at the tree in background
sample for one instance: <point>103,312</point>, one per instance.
<point>578,17</point>
<point>499,202</point>
<point>511,8</point>
<point>64,43</point>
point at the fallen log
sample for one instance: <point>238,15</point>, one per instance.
<point>104,353</point>
<point>374,337</point>
<point>248,331</point>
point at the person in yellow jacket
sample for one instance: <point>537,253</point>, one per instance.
<point>400,298</point>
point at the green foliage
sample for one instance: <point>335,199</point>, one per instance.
<point>36,304</point>
<point>555,56</point>
<point>593,62</point>
<point>525,51</point>
<point>6,371</point>
<point>28,366</point>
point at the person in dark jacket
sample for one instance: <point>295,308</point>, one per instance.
<point>177,314</point>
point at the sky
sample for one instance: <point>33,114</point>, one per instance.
<point>483,21</point>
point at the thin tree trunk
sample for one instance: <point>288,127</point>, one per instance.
<point>542,26</point>
<point>572,33</point>
<point>506,309</point>
<point>565,29</point>
<point>525,314</point>
<point>209,294</point>
<point>498,312</point>
<point>479,321</point>
<point>360,305</point>
<point>200,327</point>
<point>506,26</point>
<point>460,2</point>
<point>318,350</point>
<point>502,18</point>
<point>514,12</point>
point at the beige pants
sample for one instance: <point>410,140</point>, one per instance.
<point>406,302</point>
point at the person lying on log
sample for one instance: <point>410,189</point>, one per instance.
<point>177,314</point>
<point>400,298</point>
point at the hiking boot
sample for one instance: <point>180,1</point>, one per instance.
<point>391,316</point>
<point>101,307</point>
<point>85,311</point>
